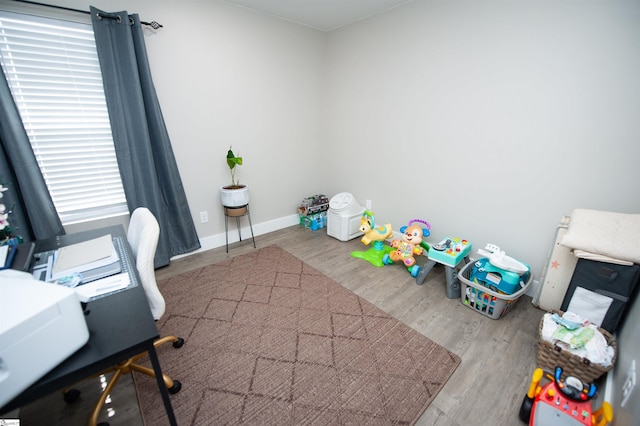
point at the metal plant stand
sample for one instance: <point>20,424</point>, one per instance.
<point>237,212</point>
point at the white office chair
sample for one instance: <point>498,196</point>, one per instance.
<point>142,234</point>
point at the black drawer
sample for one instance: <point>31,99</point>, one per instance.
<point>618,282</point>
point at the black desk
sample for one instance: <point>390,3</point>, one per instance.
<point>120,326</point>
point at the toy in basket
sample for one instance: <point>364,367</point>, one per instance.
<point>500,259</point>
<point>562,402</point>
<point>499,272</point>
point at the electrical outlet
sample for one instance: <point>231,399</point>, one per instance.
<point>629,383</point>
<point>204,217</point>
<point>368,204</point>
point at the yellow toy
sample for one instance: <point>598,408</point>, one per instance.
<point>411,245</point>
<point>371,232</point>
<point>375,235</point>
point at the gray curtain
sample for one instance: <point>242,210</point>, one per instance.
<point>33,212</point>
<point>147,165</point>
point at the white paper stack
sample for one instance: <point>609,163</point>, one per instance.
<point>84,256</point>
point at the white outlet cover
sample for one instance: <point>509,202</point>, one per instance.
<point>629,384</point>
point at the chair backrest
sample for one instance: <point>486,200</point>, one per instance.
<point>142,235</point>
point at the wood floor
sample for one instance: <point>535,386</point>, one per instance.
<point>498,356</point>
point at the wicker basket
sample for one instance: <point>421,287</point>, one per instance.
<point>550,356</point>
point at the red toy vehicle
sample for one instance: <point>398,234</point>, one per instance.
<point>562,403</point>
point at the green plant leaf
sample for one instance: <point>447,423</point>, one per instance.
<point>232,160</point>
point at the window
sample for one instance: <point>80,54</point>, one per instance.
<point>53,71</point>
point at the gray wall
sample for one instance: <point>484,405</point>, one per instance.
<point>228,76</point>
<point>489,119</point>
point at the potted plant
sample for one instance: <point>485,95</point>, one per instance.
<point>235,194</point>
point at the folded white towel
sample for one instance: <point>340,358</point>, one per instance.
<point>581,254</point>
<point>610,234</point>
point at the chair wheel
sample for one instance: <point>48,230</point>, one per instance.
<point>175,388</point>
<point>178,343</point>
<point>71,396</point>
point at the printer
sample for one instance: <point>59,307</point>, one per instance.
<point>41,324</point>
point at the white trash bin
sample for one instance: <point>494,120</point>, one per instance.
<point>343,217</point>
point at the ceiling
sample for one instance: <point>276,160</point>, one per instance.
<point>324,15</point>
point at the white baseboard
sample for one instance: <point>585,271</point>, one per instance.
<point>218,240</point>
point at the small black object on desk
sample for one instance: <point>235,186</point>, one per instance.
<point>23,257</point>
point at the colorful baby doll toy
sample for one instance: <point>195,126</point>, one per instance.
<point>411,245</point>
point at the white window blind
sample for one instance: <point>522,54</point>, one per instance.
<point>53,71</point>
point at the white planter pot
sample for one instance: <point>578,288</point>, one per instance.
<point>235,197</point>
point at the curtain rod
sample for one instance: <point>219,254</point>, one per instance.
<point>152,24</point>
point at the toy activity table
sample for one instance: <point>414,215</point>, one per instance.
<point>449,252</point>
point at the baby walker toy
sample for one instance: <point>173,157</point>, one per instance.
<point>410,245</point>
<point>562,403</point>
<point>375,234</point>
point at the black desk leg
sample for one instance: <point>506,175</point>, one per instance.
<point>163,389</point>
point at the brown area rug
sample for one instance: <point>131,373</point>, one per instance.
<point>270,340</point>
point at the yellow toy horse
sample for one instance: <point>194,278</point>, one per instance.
<point>371,232</point>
